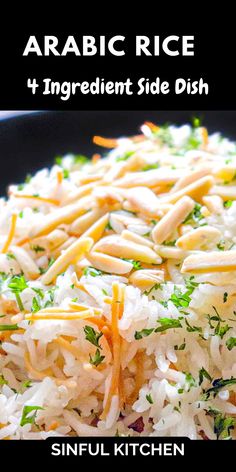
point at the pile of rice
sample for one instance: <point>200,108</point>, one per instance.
<point>118,291</point>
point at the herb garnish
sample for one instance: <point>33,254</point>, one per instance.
<point>25,418</point>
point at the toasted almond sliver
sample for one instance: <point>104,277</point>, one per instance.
<point>56,253</point>
<point>145,279</point>
<point>26,263</point>
<point>165,227</point>
<point>63,215</point>
<point>227,192</point>
<point>190,178</point>
<point>109,264</point>
<point>75,252</point>
<point>169,252</point>
<point>144,200</point>
<point>119,247</point>
<point>97,229</point>
<point>195,190</point>
<point>84,222</point>
<point>214,203</point>
<point>225,172</point>
<point>222,261</point>
<point>82,191</point>
<point>149,178</point>
<point>198,237</point>
<point>136,238</point>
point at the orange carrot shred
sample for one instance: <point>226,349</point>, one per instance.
<point>11,233</point>
<point>105,142</point>
<point>154,128</point>
<point>52,201</point>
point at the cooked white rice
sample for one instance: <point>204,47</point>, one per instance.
<point>118,303</point>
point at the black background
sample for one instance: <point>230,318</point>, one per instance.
<point>28,143</point>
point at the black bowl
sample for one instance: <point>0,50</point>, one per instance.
<point>30,142</point>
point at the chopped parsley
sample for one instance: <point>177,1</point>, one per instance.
<point>222,424</point>
<point>195,216</point>
<point>26,418</point>
<point>204,374</point>
<point>37,248</point>
<point>92,336</point>
<point>66,174</point>
<point>125,156</point>
<point>17,285</point>
<point>228,203</point>
<point>150,167</point>
<point>96,359</point>
<point>92,271</point>
<point>165,323</point>
<point>181,347</point>
<point>108,226</point>
<point>3,381</point>
<point>231,343</point>
<point>6,327</point>
<point>217,385</point>
<point>190,381</point>
<point>221,245</point>
<point>225,297</point>
<point>149,398</point>
<point>136,264</point>
<point>21,214</point>
<point>35,305</point>
<point>104,292</point>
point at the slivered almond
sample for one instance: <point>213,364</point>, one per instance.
<point>195,190</point>
<point>214,203</point>
<point>109,264</point>
<point>74,253</point>
<point>82,191</point>
<point>120,221</point>
<point>215,261</point>
<point>107,197</point>
<point>225,172</point>
<point>190,178</point>
<point>97,229</point>
<point>165,227</point>
<point>58,250</point>
<point>169,252</point>
<point>144,200</point>
<point>119,247</point>
<point>227,192</point>
<point>198,237</point>
<point>136,238</point>
<point>82,223</point>
<point>146,279</point>
<point>149,178</point>
<point>63,215</point>
<point>26,263</point>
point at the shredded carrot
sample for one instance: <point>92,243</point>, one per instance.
<point>116,313</point>
<point>59,177</point>
<point>59,316</point>
<point>139,377</point>
<point>95,158</point>
<point>51,201</point>
<point>204,136</point>
<point>107,300</point>
<point>173,366</point>
<point>105,142</point>
<point>154,128</point>
<point>11,233</point>
<point>23,241</point>
<point>53,425</point>
<point>78,307</point>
